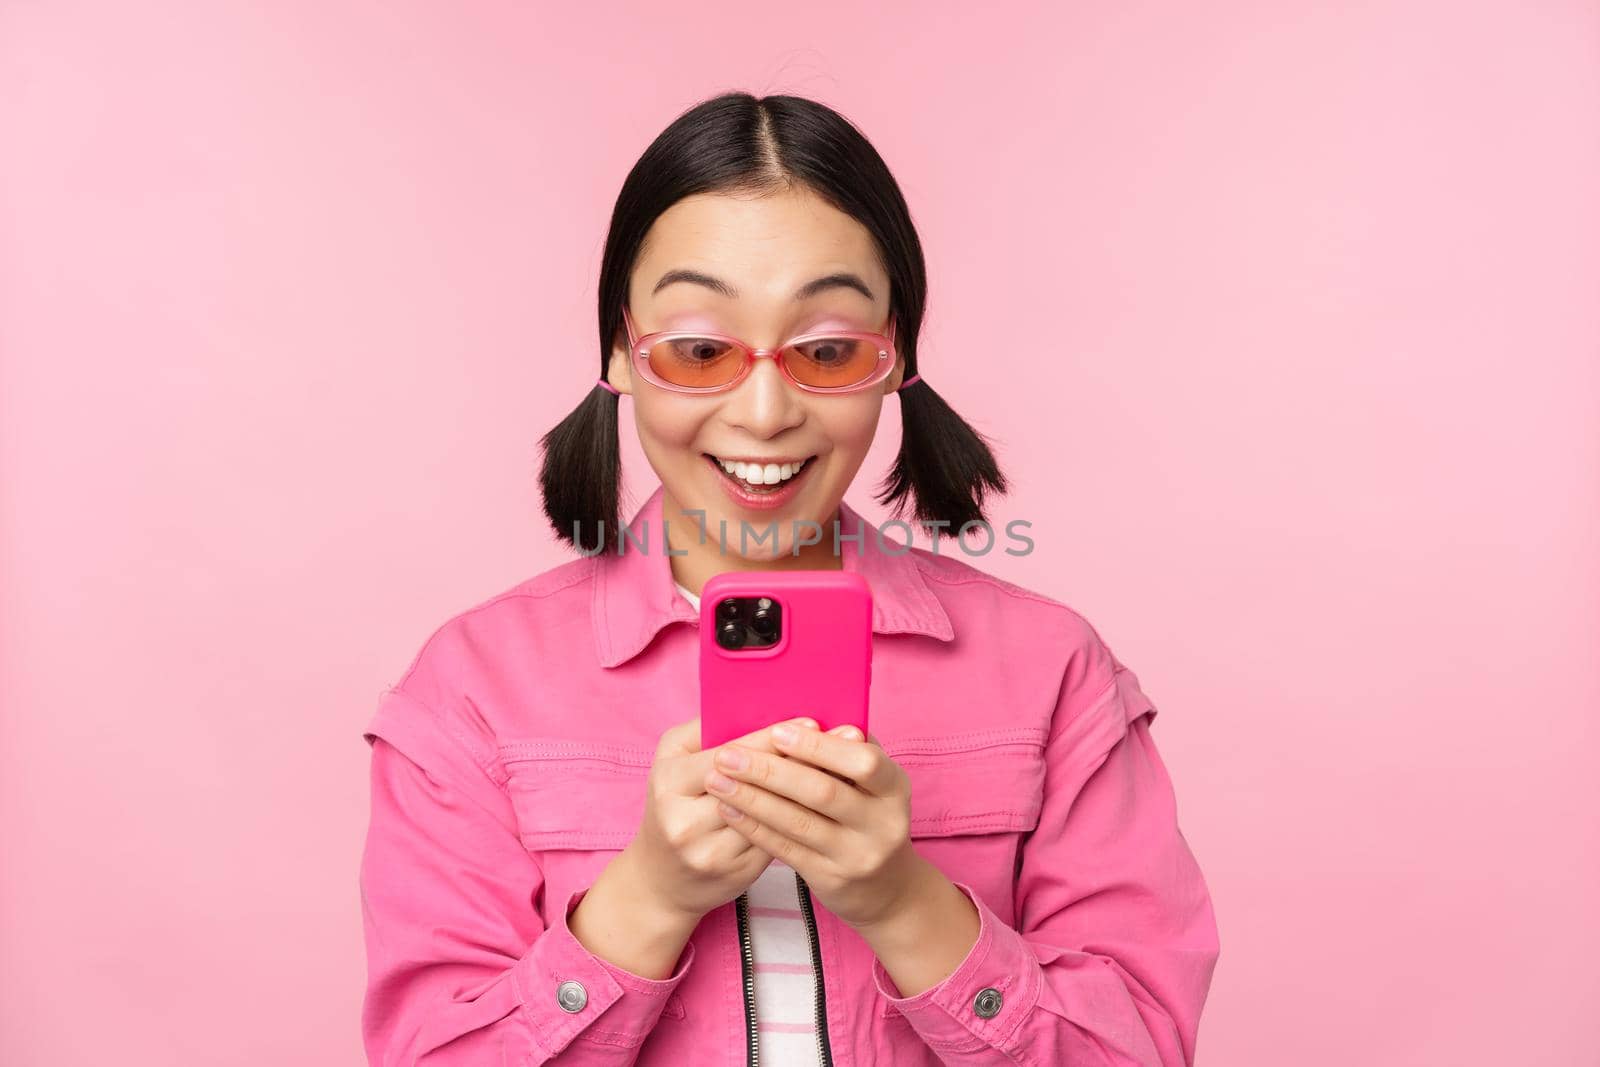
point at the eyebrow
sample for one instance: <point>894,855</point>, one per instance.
<point>837,280</point>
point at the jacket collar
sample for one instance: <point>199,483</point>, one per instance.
<point>634,594</point>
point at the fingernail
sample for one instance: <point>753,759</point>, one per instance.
<point>809,723</point>
<point>733,759</point>
<point>850,732</point>
<point>718,784</point>
<point>783,734</point>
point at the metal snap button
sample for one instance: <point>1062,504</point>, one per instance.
<point>571,996</point>
<point>987,1002</point>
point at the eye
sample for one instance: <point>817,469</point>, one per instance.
<point>830,351</point>
<point>698,349</point>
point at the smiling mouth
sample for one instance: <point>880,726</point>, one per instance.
<point>763,486</point>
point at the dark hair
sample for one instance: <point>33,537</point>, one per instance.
<point>738,143</point>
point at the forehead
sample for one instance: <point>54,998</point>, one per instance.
<point>766,247</point>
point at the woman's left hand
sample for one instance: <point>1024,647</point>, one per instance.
<point>835,808</point>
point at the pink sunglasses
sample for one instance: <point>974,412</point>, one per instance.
<point>837,361</point>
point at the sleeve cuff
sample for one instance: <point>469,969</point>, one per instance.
<point>1000,976</point>
<point>630,1003</point>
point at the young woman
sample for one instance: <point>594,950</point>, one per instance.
<point>556,872</point>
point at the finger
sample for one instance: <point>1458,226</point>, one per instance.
<point>679,739</point>
<point>741,845</point>
<point>764,735</point>
<point>756,740</point>
<point>805,787</point>
<point>727,844</point>
<point>753,737</point>
<point>724,845</point>
<point>864,764</point>
<point>686,774</point>
<point>852,733</point>
<point>802,857</point>
<point>849,733</point>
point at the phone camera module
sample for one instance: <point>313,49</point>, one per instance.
<point>749,622</point>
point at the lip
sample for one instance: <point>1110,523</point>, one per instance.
<point>763,501</point>
<point>763,461</point>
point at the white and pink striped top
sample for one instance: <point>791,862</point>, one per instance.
<point>786,1026</point>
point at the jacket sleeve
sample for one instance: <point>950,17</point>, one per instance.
<point>460,967</point>
<point>1115,943</point>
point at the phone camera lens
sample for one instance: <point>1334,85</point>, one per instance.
<point>731,634</point>
<point>764,623</point>
<point>728,609</point>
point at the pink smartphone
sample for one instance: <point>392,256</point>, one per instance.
<point>779,644</point>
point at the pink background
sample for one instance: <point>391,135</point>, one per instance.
<point>1283,316</point>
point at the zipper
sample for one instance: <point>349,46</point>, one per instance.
<point>747,963</point>
<point>824,1052</point>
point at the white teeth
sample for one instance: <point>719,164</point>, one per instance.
<point>761,474</point>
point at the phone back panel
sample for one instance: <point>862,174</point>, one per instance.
<point>821,666</point>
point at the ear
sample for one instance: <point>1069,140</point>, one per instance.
<point>619,369</point>
<point>896,376</point>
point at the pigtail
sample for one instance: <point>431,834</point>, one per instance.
<point>581,472</point>
<point>944,464</point>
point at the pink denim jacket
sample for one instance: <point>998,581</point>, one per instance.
<point>509,765</point>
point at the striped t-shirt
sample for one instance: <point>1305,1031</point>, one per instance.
<point>780,945</point>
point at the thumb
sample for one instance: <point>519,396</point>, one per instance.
<point>680,738</point>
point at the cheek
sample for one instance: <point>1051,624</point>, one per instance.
<point>667,433</point>
<point>664,426</point>
<point>851,426</point>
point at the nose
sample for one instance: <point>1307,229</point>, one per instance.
<point>764,404</point>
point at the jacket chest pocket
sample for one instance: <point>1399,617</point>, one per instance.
<point>578,804</point>
<point>974,783</point>
<point>575,795</point>
<point>973,797</point>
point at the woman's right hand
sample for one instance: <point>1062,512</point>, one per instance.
<point>690,859</point>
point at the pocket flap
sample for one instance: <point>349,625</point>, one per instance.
<point>575,794</point>
<point>983,781</point>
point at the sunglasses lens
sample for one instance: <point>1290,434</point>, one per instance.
<point>696,362</point>
<point>832,362</point>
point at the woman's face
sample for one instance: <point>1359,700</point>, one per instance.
<point>763,250</point>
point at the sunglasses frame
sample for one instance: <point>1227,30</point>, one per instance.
<point>639,352</point>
